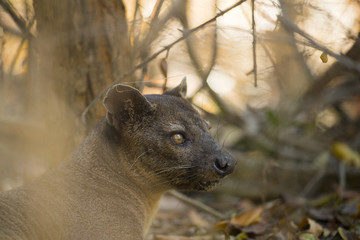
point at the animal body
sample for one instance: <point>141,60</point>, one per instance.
<point>110,187</point>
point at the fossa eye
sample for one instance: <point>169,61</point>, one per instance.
<point>178,138</point>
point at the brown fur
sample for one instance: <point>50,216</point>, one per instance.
<point>111,186</point>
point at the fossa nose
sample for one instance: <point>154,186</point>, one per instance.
<point>224,164</point>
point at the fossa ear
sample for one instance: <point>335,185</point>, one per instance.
<point>124,103</point>
<point>178,91</point>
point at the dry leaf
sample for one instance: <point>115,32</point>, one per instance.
<point>248,217</point>
<point>234,225</point>
<point>310,226</point>
<point>221,225</point>
<point>324,57</point>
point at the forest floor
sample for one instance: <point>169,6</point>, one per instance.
<point>331,216</point>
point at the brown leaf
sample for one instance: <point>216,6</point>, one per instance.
<point>310,226</point>
<point>248,217</point>
<point>221,225</point>
<point>236,225</point>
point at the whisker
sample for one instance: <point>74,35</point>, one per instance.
<point>173,168</point>
<point>170,174</point>
<point>137,158</point>
<point>169,170</point>
<point>190,178</point>
<point>226,138</point>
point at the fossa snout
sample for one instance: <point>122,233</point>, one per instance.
<point>224,164</point>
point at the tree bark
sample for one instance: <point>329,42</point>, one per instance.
<point>82,46</point>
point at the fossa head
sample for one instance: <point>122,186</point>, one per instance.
<point>167,141</point>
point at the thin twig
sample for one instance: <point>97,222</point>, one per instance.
<point>204,77</point>
<point>199,205</point>
<point>186,34</point>
<point>156,25</point>
<point>253,27</point>
<point>201,73</point>
<point>313,183</point>
<point>17,56</point>
<point>20,47</point>
<point>347,62</point>
<point>337,69</point>
<point>214,52</point>
<point>10,29</point>
<point>132,29</point>
<point>156,10</point>
<point>280,84</point>
<point>18,19</point>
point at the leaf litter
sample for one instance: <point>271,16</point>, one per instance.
<point>333,216</point>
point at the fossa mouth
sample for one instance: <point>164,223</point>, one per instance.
<point>204,185</point>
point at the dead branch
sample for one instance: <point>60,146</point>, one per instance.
<point>11,30</point>
<point>253,27</point>
<point>199,205</point>
<point>18,19</point>
<point>337,69</point>
<point>156,10</point>
<point>344,60</point>
<point>186,34</point>
<point>17,55</point>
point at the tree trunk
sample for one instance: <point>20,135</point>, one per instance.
<point>82,46</point>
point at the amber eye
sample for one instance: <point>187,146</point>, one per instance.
<point>178,138</point>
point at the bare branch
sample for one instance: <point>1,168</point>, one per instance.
<point>337,69</point>
<point>18,19</point>
<point>156,10</point>
<point>253,27</point>
<point>17,56</point>
<point>199,205</point>
<point>346,61</point>
<point>12,30</point>
<point>186,34</point>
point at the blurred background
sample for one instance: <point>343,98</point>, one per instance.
<point>279,81</point>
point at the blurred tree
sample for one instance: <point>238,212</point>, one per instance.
<point>82,47</point>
